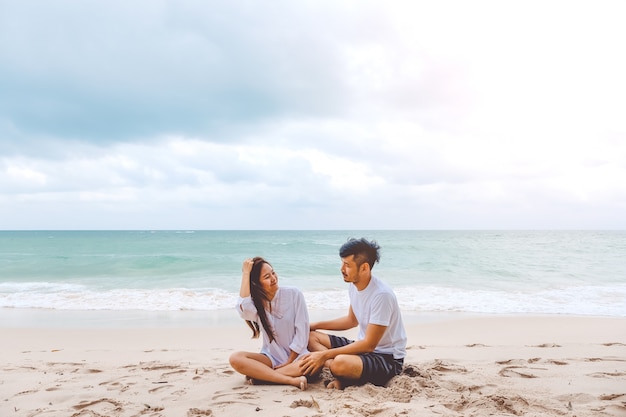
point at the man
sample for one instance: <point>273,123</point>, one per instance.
<point>378,353</point>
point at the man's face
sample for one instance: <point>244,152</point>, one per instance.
<point>349,270</point>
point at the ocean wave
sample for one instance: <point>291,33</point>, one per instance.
<point>75,297</point>
<point>581,300</point>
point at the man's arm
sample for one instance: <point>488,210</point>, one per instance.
<point>338,324</point>
<point>373,334</point>
<point>313,362</point>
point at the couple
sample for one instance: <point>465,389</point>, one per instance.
<point>293,349</point>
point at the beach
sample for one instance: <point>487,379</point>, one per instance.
<point>456,365</point>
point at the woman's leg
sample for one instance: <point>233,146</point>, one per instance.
<point>318,341</point>
<point>259,366</point>
<point>293,369</point>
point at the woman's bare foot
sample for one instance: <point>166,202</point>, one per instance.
<point>336,384</point>
<point>303,383</point>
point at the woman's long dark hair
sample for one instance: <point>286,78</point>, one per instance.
<point>259,298</point>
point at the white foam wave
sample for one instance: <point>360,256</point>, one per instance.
<point>66,297</point>
<point>584,300</point>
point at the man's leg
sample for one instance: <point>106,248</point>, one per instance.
<point>346,368</point>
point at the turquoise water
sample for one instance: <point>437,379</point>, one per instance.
<point>544,272</point>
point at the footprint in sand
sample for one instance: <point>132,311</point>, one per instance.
<point>514,404</point>
<point>178,371</point>
<point>174,395</point>
<point>610,397</point>
<point>488,389</point>
<point>25,392</point>
<point>306,403</point>
<point>412,347</point>
<point>511,362</point>
<point>196,412</point>
<point>161,388</point>
<point>157,367</point>
<point>414,371</point>
<point>607,374</point>
<point>555,362</point>
<point>54,364</point>
<point>121,384</point>
<point>441,366</point>
<point>239,395</point>
<point>510,372</point>
<point>84,404</point>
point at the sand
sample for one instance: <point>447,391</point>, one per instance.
<point>456,366</point>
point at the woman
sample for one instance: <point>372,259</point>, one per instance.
<point>280,315</point>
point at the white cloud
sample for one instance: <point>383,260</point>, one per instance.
<point>395,115</point>
<point>25,176</point>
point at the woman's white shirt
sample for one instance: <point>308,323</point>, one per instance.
<point>288,317</point>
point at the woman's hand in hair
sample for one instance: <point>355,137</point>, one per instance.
<point>247,266</point>
<point>244,291</point>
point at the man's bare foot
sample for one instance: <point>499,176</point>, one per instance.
<point>336,384</point>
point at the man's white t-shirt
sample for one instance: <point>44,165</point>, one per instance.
<point>377,304</point>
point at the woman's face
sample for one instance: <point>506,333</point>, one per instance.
<point>268,279</point>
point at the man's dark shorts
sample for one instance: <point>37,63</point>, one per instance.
<point>378,368</point>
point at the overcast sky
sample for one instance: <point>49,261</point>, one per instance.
<point>312,115</point>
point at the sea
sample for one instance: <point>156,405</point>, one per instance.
<point>432,272</point>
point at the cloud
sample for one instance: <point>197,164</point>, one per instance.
<point>94,72</point>
<point>102,73</point>
<point>161,114</point>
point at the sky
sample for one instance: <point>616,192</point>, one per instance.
<point>189,114</point>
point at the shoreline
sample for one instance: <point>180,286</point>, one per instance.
<point>11,318</point>
<point>51,318</point>
<point>461,365</point>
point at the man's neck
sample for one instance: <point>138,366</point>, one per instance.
<point>363,283</point>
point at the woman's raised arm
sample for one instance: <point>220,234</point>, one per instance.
<point>244,290</point>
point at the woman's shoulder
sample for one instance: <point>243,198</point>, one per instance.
<point>291,291</point>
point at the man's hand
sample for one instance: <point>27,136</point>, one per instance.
<point>312,363</point>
